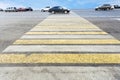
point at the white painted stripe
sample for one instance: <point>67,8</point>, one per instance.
<point>66,27</point>
<point>38,29</point>
<point>63,48</point>
<point>118,19</point>
<point>67,24</point>
<point>67,36</point>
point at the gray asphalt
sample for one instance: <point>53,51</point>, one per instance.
<point>14,24</point>
<point>109,21</point>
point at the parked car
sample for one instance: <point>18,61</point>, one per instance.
<point>1,9</point>
<point>116,6</point>
<point>21,9</point>
<point>104,7</point>
<point>59,9</point>
<point>46,9</point>
<point>11,9</point>
<point>29,9</point>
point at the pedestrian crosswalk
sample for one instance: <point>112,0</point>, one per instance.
<point>64,39</point>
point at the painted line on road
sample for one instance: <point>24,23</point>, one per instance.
<point>65,33</point>
<point>61,58</point>
<point>66,41</point>
<point>118,19</point>
<point>58,30</point>
<point>66,26</point>
<point>64,48</point>
<point>67,37</point>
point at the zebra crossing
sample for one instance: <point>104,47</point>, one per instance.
<point>64,39</point>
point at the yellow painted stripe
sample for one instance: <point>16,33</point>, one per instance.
<point>74,33</point>
<point>81,41</point>
<point>60,58</point>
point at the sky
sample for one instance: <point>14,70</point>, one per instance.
<point>71,4</point>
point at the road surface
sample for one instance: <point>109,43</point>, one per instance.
<point>84,44</point>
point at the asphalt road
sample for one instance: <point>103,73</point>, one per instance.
<point>109,21</point>
<point>15,25</point>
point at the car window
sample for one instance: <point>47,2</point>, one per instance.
<point>64,8</point>
<point>60,8</point>
<point>47,7</point>
<point>55,7</point>
<point>106,5</point>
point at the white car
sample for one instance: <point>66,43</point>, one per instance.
<point>46,9</point>
<point>11,9</point>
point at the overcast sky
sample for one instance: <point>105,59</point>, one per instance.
<point>72,4</point>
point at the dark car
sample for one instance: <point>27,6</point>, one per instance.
<point>58,9</point>
<point>11,9</point>
<point>104,7</point>
<point>116,6</point>
<point>1,9</point>
<point>29,9</point>
<point>21,9</point>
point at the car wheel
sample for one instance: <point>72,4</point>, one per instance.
<point>53,12</point>
<point>65,12</point>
